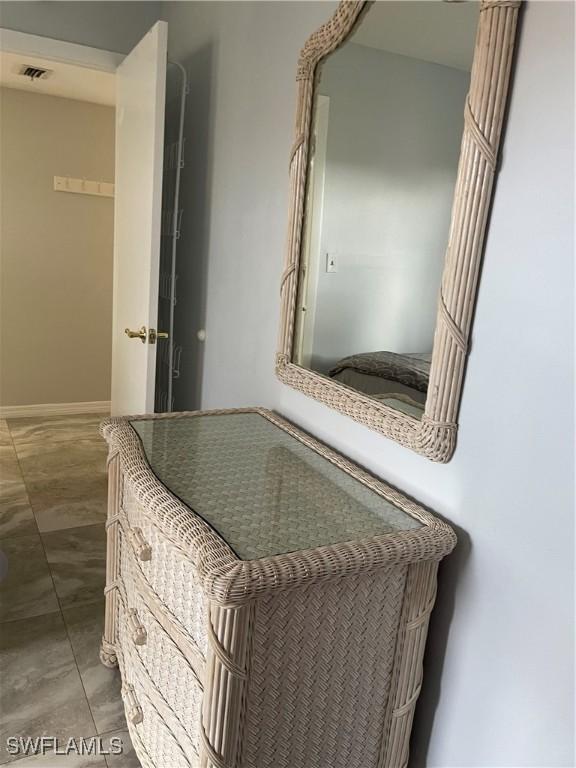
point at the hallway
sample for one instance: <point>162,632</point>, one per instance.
<point>52,573</point>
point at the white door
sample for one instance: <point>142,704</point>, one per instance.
<point>140,97</point>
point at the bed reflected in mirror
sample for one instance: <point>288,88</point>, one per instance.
<point>387,123</point>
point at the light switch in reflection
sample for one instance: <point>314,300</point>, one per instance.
<point>331,264</point>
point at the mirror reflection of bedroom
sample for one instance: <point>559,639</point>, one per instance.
<point>387,127</point>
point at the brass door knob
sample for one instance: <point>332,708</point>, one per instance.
<point>154,335</point>
<point>142,334</point>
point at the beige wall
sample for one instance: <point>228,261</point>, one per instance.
<point>56,251</point>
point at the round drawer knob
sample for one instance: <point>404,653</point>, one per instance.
<point>134,711</point>
<point>139,635</point>
<point>141,547</point>
<point>136,716</point>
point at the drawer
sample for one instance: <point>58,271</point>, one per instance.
<point>154,735</point>
<point>144,641</point>
<point>170,574</point>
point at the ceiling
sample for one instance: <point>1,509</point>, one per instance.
<point>67,80</point>
<point>431,30</point>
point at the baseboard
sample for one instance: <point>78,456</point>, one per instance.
<point>53,409</point>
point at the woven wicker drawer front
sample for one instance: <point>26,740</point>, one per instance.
<point>321,673</point>
<point>152,733</point>
<point>170,574</point>
<point>169,671</point>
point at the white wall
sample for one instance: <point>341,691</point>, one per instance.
<point>499,670</point>
<point>394,132</point>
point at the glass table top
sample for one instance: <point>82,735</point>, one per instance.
<point>261,489</point>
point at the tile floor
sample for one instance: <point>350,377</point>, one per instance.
<point>52,571</point>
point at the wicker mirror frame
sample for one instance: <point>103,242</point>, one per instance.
<point>434,435</point>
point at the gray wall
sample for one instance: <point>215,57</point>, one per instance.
<point>114,26</point>
<point>499,685</point>
<point>394,132</point>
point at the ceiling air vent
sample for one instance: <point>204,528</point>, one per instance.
<point>35,73</point>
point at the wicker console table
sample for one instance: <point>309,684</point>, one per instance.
<point>267,601</point>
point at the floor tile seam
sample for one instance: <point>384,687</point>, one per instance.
<point>70,529</point>
<point>41,533</point>
<point>67,530</point>
<point>111,733</point>
<point>96,439</point>
<point>24,757</point>
<point>13,762</point>
<point>69,636</point>
<point>11,537</point>
<point>33,507</point>
<point>66,631</point>
<point>39,536</point>
<point>23,478</point>
<point>6,622</point>
<point>76,468</point>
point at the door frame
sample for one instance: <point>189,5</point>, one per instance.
<point>59,50</point>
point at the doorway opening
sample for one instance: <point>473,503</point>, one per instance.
<point>57,233</point>
<point>92,150</point>
<point>169,354</point>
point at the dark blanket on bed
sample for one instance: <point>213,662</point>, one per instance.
<point>413,370</point>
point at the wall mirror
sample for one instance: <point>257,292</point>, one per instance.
<point>400,110</point>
